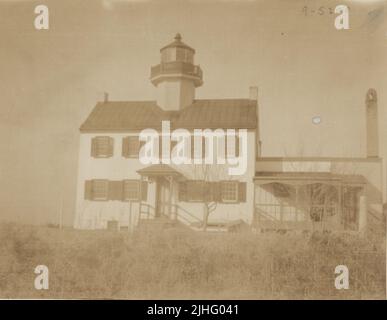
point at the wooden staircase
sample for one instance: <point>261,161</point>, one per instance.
<point>185,219</point>
<point>157,223</point>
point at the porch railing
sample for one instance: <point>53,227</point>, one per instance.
<point>147,211</point>
<point>185,216</point>
<point>275,216</point>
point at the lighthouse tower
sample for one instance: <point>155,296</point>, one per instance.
<point>176,77</point>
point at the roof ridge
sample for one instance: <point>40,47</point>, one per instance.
<point>125,101</point>
<point>223,99</point>
<point>154,101</point>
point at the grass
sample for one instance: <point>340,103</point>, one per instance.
<point>176,263</point>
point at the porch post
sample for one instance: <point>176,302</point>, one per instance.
<point>296,206</point>
<point>171,213</point>
<point>362,212</point>
<point>340,207</point>
<point>140,202</point>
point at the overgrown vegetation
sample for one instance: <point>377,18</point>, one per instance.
<point>178,263</point>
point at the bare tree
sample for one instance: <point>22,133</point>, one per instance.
<point>210,187</point>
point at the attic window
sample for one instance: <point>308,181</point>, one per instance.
<point>102,147</point>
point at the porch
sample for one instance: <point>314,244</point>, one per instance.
<point>165,181</point>
<point>309,201</point>
<point>171,202</point>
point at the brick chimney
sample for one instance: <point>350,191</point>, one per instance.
<point>253,93</point>
<point>372,124</point>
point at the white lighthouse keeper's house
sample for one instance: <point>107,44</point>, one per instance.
<point>116,191</point>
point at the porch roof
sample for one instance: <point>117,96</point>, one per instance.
<point>159,170</point>
<point>310,177</point>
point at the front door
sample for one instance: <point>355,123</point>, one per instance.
<point>162,198</point>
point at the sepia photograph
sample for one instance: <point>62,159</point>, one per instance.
<point>192,150</point>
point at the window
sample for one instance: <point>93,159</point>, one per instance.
<point>122,190</point>
<point>180,54</point>
<point>168,55</point>
<point>131,147</point>
<point>229,191</point>
<point>131,190</point>
<point>102,147</point>
<point>188,56</point>
<point>100,189</point>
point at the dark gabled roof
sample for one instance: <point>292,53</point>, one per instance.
<point>222,113</point>
<point>123,115</point>
<point>137,115</point>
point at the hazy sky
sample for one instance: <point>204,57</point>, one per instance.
<point>304,67</point>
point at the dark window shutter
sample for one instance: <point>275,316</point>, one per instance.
<point>160,147</point>
<point>193,155</point>
<point>207,191</point>
<point>88,190</point>
<point>195,190</point>
<point>192,148</point>
<point>242,192</point>
<point>173,144</point>
<point>115,190</point>
<point>93,151</point>
<point>111,147</point>
<point>183,191</point>
<point>144,190</point>
<point>204,143</point>
<point>125,146</point>
<point>225,148</point>
<point>141,143</point>
<point>216,191</point>
<point>131,146</point>
<point>237,146</point>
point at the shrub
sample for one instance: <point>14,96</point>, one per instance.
<point>179,263</point>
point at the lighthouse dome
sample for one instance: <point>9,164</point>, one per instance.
<point>177,58</point>
<point>177,51</point>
